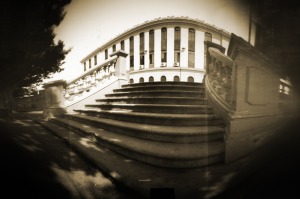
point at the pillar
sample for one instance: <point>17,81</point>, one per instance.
<point>54,100</point>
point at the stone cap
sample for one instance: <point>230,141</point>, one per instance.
<point>55,83</point>
<point>119,53</point>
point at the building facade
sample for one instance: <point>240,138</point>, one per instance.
<point>164,49</point>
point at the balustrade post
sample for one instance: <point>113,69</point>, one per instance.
<point>120,65</point>
<point>54,100</point>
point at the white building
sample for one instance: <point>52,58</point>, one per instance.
<point>164,49</point>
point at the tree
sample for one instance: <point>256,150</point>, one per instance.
<point>28,53</point>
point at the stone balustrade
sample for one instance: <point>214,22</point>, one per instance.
<point>219,74</point>
<point>88,81</point>
<point>246,89</point>
<point>62,96</point>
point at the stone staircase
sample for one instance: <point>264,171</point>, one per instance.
<point>165,124</point>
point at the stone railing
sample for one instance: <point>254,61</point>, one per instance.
<point>182,74</point>
<point>85,84</point>
<point>219,75</point>
<point>245,88</point>
<point>62,96</point>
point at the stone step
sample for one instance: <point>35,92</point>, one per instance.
<point>162,133</point>
<point>191,84</point>
<point>160,87</point>
<point>154,100</point>
<point>155,108</point>
<point>172,155</point>
<point>157,93</point>
<point>157,118</point>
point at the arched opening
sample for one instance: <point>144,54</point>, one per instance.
<point>131,81</point>
<point>163,79</point>
<point>176,79</point>
<point>141,80</point>
<point>151,79</point>
<point>190,79</point>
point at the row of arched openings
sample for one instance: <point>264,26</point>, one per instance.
<point>162,79</point>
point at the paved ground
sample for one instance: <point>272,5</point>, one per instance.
<point>36,164</point>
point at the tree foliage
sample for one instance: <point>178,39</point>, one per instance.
<point>28,53</point>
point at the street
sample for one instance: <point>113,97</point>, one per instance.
<point>36,164</point>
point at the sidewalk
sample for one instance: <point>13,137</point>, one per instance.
<point>250,177</point>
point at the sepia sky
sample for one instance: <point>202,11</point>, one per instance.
<point>90,23</point>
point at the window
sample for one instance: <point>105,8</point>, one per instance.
<point>177,39</point>
<point>163,79</point>
<point>114,48</point>
<point>163,56</point>
<point>176,79</point>
<point>151,59</point>
<point>151,79</point>
<point>191,58</point>
<point>142,49</point>
<point>84,66</point>
<point>164,45</point>
<point>122,45</point>
<point>177,35</point>
<point>131,81</point>
<point>131,52</point>
<point>151,48</point>
<point>142,59</point>
<point>90,63</point>
<point>208,36</point>
<point>106,54</point>
<point>95,60</point>
<point>190,79</point>
<point>141,80</point>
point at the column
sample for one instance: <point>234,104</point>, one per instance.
<point>118,46</point>
<point>199,50</point>
<point>120,66</point>
<point>126,45</point>
<point>184,44</point>
<point>54,99</point>
<point>170,47</point>
<point>157,48</point>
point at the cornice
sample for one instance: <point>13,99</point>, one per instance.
<point>184,20</point>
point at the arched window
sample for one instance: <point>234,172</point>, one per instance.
<point>131,52</point>
<point>176,79</point>
<point>131,81</point>
<point>151,79</point>
<point>141,80</point>
<point>151,48</point>
<point>163,79</point>
<point>164,45</point>
<point>191,59</point>
<point>177,35</point>
<point>190,79</point>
